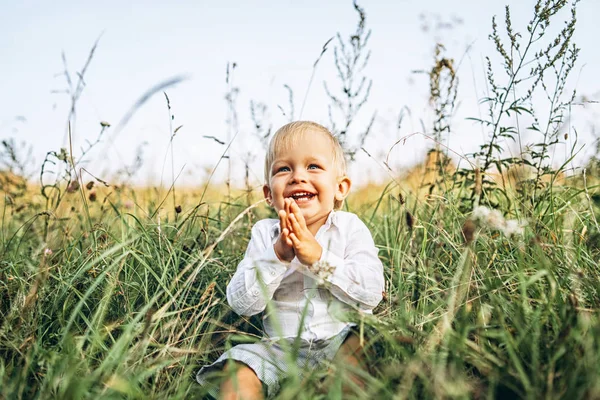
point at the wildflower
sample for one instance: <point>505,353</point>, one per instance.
<point>128,204</point>
<point>178,209</point>
<point>493,219</point>
<point>512,227</point>
<point>92,196</point>
<point>323,270</point>
<point>47,252</point>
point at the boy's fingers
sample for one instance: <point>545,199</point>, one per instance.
<point>298,213</point>
<point>294,223</point>
<point>298,222</point>
<point>283,219</point>
<point>286,206</point>
<point>285,235</point>
<point>294,239</point>
<point>294,207</point>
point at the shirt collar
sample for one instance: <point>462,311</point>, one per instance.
<point>332,219</point>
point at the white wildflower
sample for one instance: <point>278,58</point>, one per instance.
<point>513,227</point>
<point>323,270</point>
<point>480,213</point>
<point>47,252</point>
<point>493,219</point>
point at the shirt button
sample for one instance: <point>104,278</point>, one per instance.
<point>255,292</point>
<point>272,273</point>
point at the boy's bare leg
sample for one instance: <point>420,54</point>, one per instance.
<point>351,354</point>
<point>243,384</point>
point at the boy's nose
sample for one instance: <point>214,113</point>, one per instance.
<point>298,176</point>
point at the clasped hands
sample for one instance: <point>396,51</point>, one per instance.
<point>295,240</point>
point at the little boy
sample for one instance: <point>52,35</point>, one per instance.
<point>312,265</point>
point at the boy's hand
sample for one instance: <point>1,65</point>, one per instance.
<point>306,247</point>
<point>283,246</point>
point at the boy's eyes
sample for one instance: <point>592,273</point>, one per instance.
<point>287,169</point>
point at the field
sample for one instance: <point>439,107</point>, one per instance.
<point>492,271</point>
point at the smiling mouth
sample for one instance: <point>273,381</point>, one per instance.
<point>302,197</point>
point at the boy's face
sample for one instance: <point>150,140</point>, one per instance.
<point>308,175</point>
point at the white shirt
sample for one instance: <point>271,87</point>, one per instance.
<point>356,283</point>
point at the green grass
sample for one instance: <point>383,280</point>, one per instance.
<point>131,309</point>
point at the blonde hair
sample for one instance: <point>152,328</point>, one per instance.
<point>287,137</point>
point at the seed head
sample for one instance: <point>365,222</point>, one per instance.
<point>401,198</point>
<point>92,196</point>
<point>73,186</point>
<point>468,231</point>
<point>478,182</point>
<point>410,220</point>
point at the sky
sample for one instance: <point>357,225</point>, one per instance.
<point>274,44</point>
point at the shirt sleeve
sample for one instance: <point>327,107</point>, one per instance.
<point>358,277</point>
<point>257,276</point>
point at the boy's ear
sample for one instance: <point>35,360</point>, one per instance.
<point>267,194</point>
<point>343,188</point>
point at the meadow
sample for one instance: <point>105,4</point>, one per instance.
<point>492,269</point>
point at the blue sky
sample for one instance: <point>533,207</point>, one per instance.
<point>274,43</point>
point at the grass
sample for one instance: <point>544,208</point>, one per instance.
<point>132,307</point>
